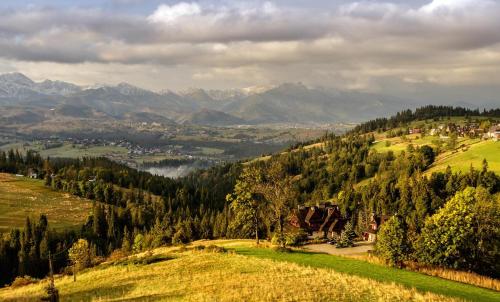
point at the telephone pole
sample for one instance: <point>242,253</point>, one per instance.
<point>52,290</point>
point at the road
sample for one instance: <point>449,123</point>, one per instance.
<point>359,248</point>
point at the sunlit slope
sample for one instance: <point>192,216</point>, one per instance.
<point>206,276</point>
<point>21,197</point>
<point>462,158</point>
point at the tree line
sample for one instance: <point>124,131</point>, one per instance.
<point>423,113</point>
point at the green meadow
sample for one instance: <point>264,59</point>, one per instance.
<point>380,273</point>
<point>462,158</point>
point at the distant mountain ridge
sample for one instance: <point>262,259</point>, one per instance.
<point>285,103</point>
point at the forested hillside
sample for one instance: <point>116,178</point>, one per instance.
<point>137,211</point>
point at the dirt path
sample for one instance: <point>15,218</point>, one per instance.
<point>359,248</point>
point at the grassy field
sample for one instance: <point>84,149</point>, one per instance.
<point>473,154</point>
<point>397,144</point>
<point>204,276</point>
<point>469,152</point>
<point>421,282</point>
<point>21,197</point>
<point>68,150</point>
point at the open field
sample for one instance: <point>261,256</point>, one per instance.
<point>206,276</point>
<point>21,197</point>
<point>69,150</point>
<point>473,154</point>
<point>468,152</point>
<point>397,144</point>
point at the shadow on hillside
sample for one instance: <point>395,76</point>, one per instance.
<point>99,293</point>
<point>154,297</point>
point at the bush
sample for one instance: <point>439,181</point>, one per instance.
<point>296,238</point>
<point>318,240</point>
<point>278,239</point>
<point>117,255</point>
<point>23,281</point>
<point>199,247</point>
<point>215,249</point>
<point>138,243</point>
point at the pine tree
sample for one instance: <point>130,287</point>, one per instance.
<point>346,236</point>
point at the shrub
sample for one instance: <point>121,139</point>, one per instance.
<point>278,239</point>
<point>23,281</point>
<point>138,243</point>
<point>117,255</point>
<point>215,249</point>
<point>296,238</point>
<point>318,240</point>
<point>199,247</point>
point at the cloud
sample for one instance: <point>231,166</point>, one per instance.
<point>358,44</point>
<point>169,14</point>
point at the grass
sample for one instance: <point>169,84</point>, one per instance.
<point>472,154</point>
<point>203,276</point>
<point>67,150</point>
<point>469,152</point>
<point>421,282</point>
<point>21,197</point>
<point>398,144</point>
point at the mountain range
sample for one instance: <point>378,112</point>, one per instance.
<point>285,103</point>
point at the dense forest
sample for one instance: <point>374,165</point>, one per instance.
<point>135,210</point>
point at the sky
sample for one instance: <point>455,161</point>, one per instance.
<point>435,49</point>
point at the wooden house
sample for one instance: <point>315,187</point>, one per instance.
<point>320,221</point>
